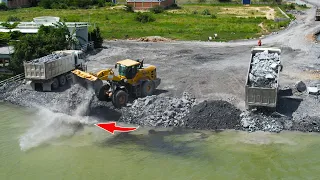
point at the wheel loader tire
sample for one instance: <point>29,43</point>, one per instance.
<point>120,99</point>
<point>147,88</point>
<point>62,80</point>
<point>102,96</point>
<point>55,83</point>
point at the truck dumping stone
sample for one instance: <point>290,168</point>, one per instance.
<point>158,111</point>
<point>213,115</point>
<point>264,71</point>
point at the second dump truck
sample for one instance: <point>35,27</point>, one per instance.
<point>257,94</point>
<point>52,71</point>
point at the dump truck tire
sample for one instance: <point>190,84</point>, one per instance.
<point>120,99</point>
<point>148,88</point>
<point>62,80</point>
<point>102,96</point>
<point>55,83</point>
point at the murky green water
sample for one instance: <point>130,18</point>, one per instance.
<point>58,151</point>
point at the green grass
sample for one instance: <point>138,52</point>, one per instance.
<point>181,24</point>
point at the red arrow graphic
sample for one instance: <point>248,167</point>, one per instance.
<point>111,127</point>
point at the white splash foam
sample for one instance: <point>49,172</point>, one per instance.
<point>50,125</point>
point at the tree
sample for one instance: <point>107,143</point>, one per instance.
<point>32,46</point>
<point>96,37</point>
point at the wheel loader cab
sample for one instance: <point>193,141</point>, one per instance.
<point>127,68</point>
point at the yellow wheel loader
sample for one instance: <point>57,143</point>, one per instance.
<point>133,79</point>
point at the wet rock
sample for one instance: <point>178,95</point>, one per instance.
<point>259,121</point>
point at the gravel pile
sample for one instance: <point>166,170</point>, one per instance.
<point>48,58</point>
<point>252,121</point>
<point>213,115</point>
<point>264,69</point>
<point>158,111</point>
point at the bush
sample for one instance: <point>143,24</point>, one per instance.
<point>157,9</point>
<point>144,17</point>
<point>3,7</point>
<point>206,12</point>
<point>4,38</point>
<point>59,6</point>
<point>96,37</point>
<point>13,19</point>
<point>213,16</point>
<point>174,6</point>
<point>15,35</point>
<point>110,4</point>
<point>129,8</point>
<point>8,25</point>
<point>101,3</point>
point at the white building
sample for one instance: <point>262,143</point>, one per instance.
<point>79,29</point>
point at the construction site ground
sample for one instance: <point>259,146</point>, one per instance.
<point>209,71</point>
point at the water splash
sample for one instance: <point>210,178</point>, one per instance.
<point>50,125</point>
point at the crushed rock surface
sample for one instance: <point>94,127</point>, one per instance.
<point>213,115</point>
<point>264,70</point>
<point>158,111</point>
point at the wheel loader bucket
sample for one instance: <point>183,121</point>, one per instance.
<point>87,80</point>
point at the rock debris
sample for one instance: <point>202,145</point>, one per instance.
<point>158,111</point>
<point>264,70</point>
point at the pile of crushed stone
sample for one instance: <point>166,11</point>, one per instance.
<point>259,121</point>
<point>264,71</point>
<point>213,115</point>
<point>158,111</point>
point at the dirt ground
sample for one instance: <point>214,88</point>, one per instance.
<point>213,70</point>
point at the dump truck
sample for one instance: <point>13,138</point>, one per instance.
<point>317,16</point>
<point>263,96</point>
<point>54,70</point>
<point>133,79</point>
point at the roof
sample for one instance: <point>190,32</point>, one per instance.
<point>6,50</point>
<point>128,62</point>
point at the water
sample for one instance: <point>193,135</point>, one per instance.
<point>40,144</point>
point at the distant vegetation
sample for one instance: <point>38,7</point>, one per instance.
<point>65,4</point>
<point>188,22</point>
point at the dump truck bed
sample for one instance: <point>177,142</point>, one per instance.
<point>261,96</point>
<point>46,68</point>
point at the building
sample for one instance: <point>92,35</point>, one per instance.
<point>79,30</point>
<point>5,55</point>
<point>147,4</point>
<point>246,2</point>
<point>17,3</point>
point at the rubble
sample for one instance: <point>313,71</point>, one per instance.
<point>253,121</point>
<point>264,69</point>
<point>213,115</point>
<point>48,58</point>
<point>154,39</point>
<point>158,111</point>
